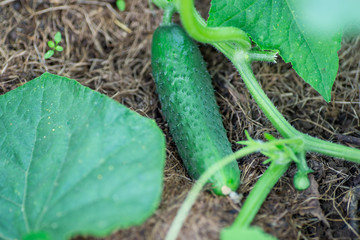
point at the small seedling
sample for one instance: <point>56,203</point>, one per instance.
<point>54,45</point>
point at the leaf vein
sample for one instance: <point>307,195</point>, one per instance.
<point>23,206</point>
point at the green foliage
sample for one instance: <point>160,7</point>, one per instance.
<point>274,147</point>
<point>51,44</point>
<point>57,38</point>
<point>54,46</point>
<point>285,153</point>
<point>73,161</point>
<point>59,48</point>
<point>277,25</point>
<point>280,153</point>
<point>49,54</point>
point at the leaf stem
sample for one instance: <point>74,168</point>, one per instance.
<point>259,193</point>
<point>241,60</point>
<point>202,33</point>
<point>313,144</point>
<point>198,186</point>
<point>169,11</point>
<point>239,55</point>
<point>263,56</point>
<point>185,208</point>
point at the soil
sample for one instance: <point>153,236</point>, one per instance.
<point>109,51</point>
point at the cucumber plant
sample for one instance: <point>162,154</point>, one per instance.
<point>234,43</point>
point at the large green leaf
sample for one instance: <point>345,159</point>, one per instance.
<point>279,25</point>
<point>73,161</point>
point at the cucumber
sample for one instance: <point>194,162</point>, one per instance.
<point>189,106</point>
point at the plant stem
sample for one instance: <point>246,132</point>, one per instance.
<point>184,210</point>
<point>169,11</point>
<point>259,193</point>
<point>241,61</point>
<point>202,33</point>
<point>263,56</point>
<point>313,144</point>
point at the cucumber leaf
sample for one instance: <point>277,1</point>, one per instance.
<point>279,25</point>
<point>74,162</point>
<point>249,233</point>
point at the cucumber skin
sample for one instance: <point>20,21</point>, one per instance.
<point>189,106</point>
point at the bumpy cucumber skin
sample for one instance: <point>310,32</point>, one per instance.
<point>189,106</point>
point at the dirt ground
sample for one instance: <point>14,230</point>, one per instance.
<point>109,51</point>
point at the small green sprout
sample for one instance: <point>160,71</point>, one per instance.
<point>120,4</point>
<point>54,45</point>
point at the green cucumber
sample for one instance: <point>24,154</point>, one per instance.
<point>189,106</point>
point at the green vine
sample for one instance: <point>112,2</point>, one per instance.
<point>241,58</point>
<point>235,45</point>
<point>280,161</point>
<point>202,33</point>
